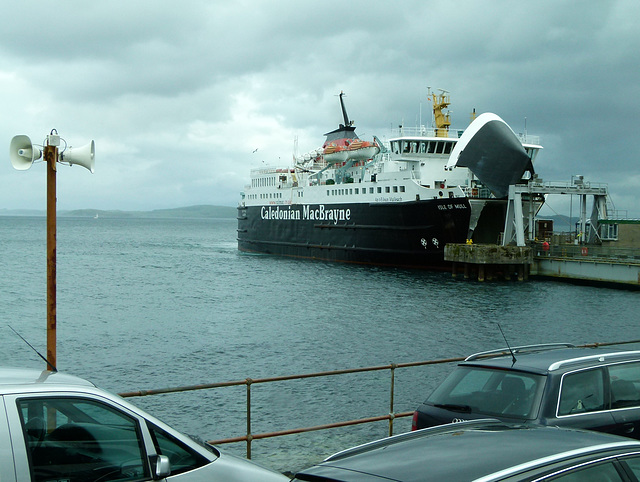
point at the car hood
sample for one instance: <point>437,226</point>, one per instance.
<point>332,472</point>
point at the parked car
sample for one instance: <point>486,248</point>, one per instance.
<point>57,427</point>
<point>558,384</point>
<point>486,451</point>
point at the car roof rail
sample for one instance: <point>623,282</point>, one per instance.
<point>601,356</point>
<point>518,349</point>
<point>480,422</point>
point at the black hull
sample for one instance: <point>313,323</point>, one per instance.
<point>408,234</point>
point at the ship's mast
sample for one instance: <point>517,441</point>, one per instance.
<point>442,120</point>
<point>344,131</point>
<point>347,122</point>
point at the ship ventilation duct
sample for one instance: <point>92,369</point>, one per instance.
<point>492,151</point>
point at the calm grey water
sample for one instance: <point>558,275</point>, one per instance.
<point>154,303</point>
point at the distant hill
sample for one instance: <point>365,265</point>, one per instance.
<point>560,222</point>
<point>200,211</point>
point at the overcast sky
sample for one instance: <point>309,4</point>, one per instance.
<point>179,95</point>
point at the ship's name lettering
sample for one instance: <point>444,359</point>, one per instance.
<point>323,214</point>
<point>277,213</point>
<point>319,214</point>
<point>445,207</point>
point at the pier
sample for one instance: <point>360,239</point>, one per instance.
<point>489,261</point>
<point>589,264</point>
<point>597,265</point>
<point>603,250</point>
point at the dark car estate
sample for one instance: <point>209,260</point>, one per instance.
<point>485,450</point>
<point>557,384</point>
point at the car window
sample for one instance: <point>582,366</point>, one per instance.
<point>79,440</point>
<point>633,463</point>
<point>625,380</point>
<point>181,456</point>
<point>603,472</point>
<point>489,392</point>
<point>581,392</point>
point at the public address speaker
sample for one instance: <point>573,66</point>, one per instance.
<point>22,153</point>
<point>84,156</point>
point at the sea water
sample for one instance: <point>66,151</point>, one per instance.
<point>155,303</point>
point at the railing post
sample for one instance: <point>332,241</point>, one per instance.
<point>391,415</point>
<point>249,436</point>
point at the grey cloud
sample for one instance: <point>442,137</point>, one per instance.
<point>177,95</point>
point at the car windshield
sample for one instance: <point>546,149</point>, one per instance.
<point>487,391</point>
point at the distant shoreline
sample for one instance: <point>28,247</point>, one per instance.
<point>205,211</point>
<point>199,211</point>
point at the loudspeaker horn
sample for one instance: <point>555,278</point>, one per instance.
<point>84,156</point>
<point>22,153</point>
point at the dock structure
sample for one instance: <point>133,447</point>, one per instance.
<point>529,249</point>
<point>489,261</point>
<point>521,210</point>
<point>588,264</point>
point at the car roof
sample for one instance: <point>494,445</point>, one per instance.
<point>468,451</point>
<point>21,378</point>
<point>547,358</point>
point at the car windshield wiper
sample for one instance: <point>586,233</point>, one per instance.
<point>453,407</point>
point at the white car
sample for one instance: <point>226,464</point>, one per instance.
<point>57,427</point>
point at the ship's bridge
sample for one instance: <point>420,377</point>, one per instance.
<point>420,146</point>
<point>430,132</point>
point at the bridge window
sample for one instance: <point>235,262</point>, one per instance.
<point>447,147</point>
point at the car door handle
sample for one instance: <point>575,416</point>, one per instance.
<point>628,428</point>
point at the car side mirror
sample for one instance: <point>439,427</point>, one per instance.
<point>161,468</point>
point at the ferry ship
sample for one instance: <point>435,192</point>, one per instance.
<point>396,203</point>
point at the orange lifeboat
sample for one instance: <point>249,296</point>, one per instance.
<point>334,153</point>
<point>360,150</point>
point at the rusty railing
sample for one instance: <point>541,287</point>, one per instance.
<point>249,382</point>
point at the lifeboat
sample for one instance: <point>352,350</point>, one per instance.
<point>360,150</point>
<point>333,153</point>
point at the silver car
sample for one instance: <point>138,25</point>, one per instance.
<point>57,427</point>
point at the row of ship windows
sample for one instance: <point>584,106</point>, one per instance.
<point>264,181</point>
<point>357,190</point>
<point>335,192</point>
<point>422,147</point>
<point>271,195</point>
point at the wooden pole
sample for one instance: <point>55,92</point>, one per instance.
<point>51,157</point>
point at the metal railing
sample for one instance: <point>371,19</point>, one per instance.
<point>249,437</point>
<point>588,252</point>
<point>453,133</point>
